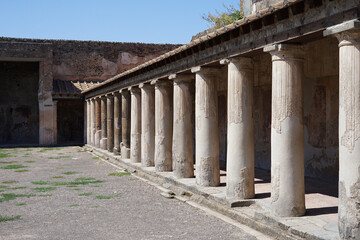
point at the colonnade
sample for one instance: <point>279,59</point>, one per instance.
<point>160,128</point>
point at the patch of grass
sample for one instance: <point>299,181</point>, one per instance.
<point>74,205</point>
<point>119,174</point>
<point>76,189</point>
<point>15,188</point>
<point>86,194</point>
<point>133,179</point>
<point>84,179</point>
<point>78,181</point>
<point>15,166</point>
<point>7,218</point>
<point>21,204</point>
<point>28,149</point>
<point>96,158</point>
<point>22,170</point>
<point>10,182</point>
<point>57,177</point>
<point>8,162</point>
<point>96,206</point>
<point>96,186</point>
<point>71,186</point>
<point>49,149</point>
<point>44,189</point>
<point>107,196</point>
<point>3,186</point>
<point>4,155</point>
<point>25,156</point>
<point>12,196</point>
<point>59,157</point>
<point>40,183</point>
<point>59,168</point>
<point>30,161</point>
<point>45,195</point>
<point>69,173</point>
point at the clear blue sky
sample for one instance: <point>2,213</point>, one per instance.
<point>149,21</point>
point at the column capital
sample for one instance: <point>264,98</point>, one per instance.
<point>182,78</point>
<point>133,89</point>
<point>349,38</point>
<point>244,62</point>
<point>117,93</point>
<point>124,91</point>
<point>145,86</point>
<point>209,70</point>
<point>109,95</point>
<point>285,51</point>
<point>160,83</point>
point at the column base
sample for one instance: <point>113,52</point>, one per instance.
<point>103,143</point>
<point>116,150</point>
<point>97,138</point>
<point>125,152</point>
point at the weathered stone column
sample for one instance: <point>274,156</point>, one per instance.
<point>110,121</point>
<point>125,123</point>
<point>349,134</point>
<point>97,115</point>
<point>147,125</point>
<point>206,122</point>
<point>287,131</point>
<point>183,144</point>
<point>240,148</point>
<point>135,132</point>
<point>103,141</point>
<point>163,126</point>
<point>88,121</point>
<point>117,122</point>
<point>93,129</point>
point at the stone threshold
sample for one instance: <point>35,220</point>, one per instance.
<point>253,213</point>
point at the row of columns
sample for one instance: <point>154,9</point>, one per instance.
<point>161,132</point>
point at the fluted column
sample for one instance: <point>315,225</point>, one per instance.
<point>147,124</point>
<point>88,121</point>
<point>103,141</point>
<point>206,122</point>
<point>287,131</point>
<point>93,129</point>
<point>163,126</point>
<point>117,122</point>
<point>125,123</point>
<point>240,149</point>
<point>349,134</point>
<point>97,137</point>
<point>135,132</point>
<point>183,158</point>
<point>110,121</point>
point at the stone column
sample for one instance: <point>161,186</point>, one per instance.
<point>287,131</point>
<point>135,132</point>
<point>55,121</point>
<point>103,141</point>
<point>349,134</point>
<point>147,125</point>
<point>88,121</point>
<point>163,126</point>
<point>117,122</point>
<point>183,159</point>
<point>97,115</point>
<point>93,129</point>
<point>206,122</point>
<point>110,121</point>
<point>125,123</point>
<point>240,148</point>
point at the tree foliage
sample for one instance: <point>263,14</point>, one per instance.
<point>221,19</point>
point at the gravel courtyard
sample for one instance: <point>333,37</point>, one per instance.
<point>66,193</point>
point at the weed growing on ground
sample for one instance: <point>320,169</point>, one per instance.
<point>96,158</point>
<point>82,179</point>
<point>4,155</point>
<point>7,218</point>
<point>8,162</point>
<point>59,157</point>
<point>119,174</point>
<point>22,170</point>
<point>15,188</point>
<point>45,195</point>
<point>44,189</point>
<point>28,149</point>
<point>21,204</point>
<point>15,166</point>
<point>59,168</point>
<point>3,186</point>
<point>74,205</point>
<point>32,161</point>
<point>12,196</point>
<point>76,189</point>
<point>78,181</point>
<point>69,173</point>
<point>107,196</point>
<point>49,149</point>
<point>133,179</point>
<point>57,177</point>
<point>40,182</point>
<point>86,194</point>
<point>10,182</point>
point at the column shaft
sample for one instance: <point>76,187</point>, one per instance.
<point>206,122</point>
<point>135,140</point>
<point>125,123</point>
<point>349,134</point>
<point>117,123</point>
<point>147,125</point>
<point>88,121</point>
<point>183,144</point>
<point>240,155</point>
<point>287,131</point>
<point>103,141</point>
<point>97,137</point>
<point>93,129</point>
<point>163,126</point>
<point>110,121</point>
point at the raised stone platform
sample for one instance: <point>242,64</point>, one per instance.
<point>320,221</point>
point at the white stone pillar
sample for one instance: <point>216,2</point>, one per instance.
<point>135,131</point>
<point>103,141</point>
<point>240,145</point>
<point>97,115</point>
<point>349,134</point>
<point>147,125</point>
<point>117,123</point>
<point>183,144</point>
<point>163,126</point>
<point>88,121</point>
<point>110,121</point>
<point>125,123</point>
<point>206,122</point>
<point>93,130</point>
<point>287,130</point>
